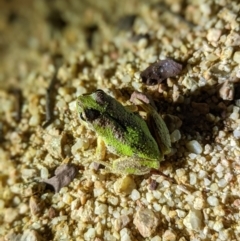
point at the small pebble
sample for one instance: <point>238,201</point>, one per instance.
<point>135,195</point>
<point>236,57</point>
<point>10,214</point>
<point>90,234</point>
<point>226,92</point>
<point>213,34</point>
<point>125,235</point>
<point>156,238</point>
<point>124,185</point>
<point>218,225</point>
<point>236,134</point>
<point>100,209</point>
<point>194,220</point>
<point>175,136</point>
<point>31,235</point>
<point>146,222</point>
<point>213,201</point>
<point>169,235</point>
<point>194,146</point>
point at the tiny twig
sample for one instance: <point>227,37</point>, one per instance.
<point>49,101</point>
<point>49,95</point>
<point>19,99</point>
<point>1,132</point>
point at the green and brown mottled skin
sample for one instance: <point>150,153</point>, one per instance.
<point>124,133</point>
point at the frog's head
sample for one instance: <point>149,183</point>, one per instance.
<point>91,106</point>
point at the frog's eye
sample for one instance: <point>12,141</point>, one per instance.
<point>151,81</point>
<point>100,97</point>
<point>91,114</point>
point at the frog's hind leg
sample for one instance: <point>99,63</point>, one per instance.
<point>130,165</point>
<point>125,165</point>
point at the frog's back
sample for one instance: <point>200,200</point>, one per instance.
<point>126,133</point>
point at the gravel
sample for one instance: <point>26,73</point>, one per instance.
<point>80,46</point>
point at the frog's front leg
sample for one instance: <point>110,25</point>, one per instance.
<point>101,149</point>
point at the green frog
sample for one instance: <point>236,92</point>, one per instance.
<point>125,133</point>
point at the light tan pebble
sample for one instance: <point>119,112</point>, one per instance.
<point>182,239</point>
<point>121,222</point>
<point>146,222</point>
<point>202,174</point>
<point>61,104</point>
<point>192,156</point>
<point>228,15</point>
<point>169,235</point>
<point>109,236</point>
<point>194,220</point>
<point>181,172</point>
<point>90,234</point>
<point>34,120</point>
<point>236,134</point>
<point>126,78</point>
<point>181,213</point>
<point>234,116</point>
<point>125,235</point>
<point>10,214</point>
<point>236,203</point>
<point>11,236</point>
<point>81,144</point>
<point>99,229</point>
<point>157,207</point>
<point>67,198</point>
<point>212,201</point>
<point>135,195</point>
<point>219,168</point>
<point>218,226</point>
<point>124,185</point>
<point>207,182</point>
<point>97,192</point>
<point>149,196</point>
<point>44,173</point>
<point>72,106</point>
<point>54,141</point>
<point>85,213</point>
<point>31,235</point>
<point>219,211</point>
<point>175,136</point>
<point>192,178</point>
<point>214,34</point>
<point>168,194</point>
<point>194,147</point>
<point>224,234</point>
<point>226,92</point>
<point>233,39</point>
<point>199,203</point>
<point>156,238</point>
<point>23,208</point>
<point>172,214</point>
<point>100,209</point>
<point>227,53</point>
<point>214,187</point>
<point>113,200</point>
<point>236,57</point>
<point>189,83</point>
<point>211,57</point>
